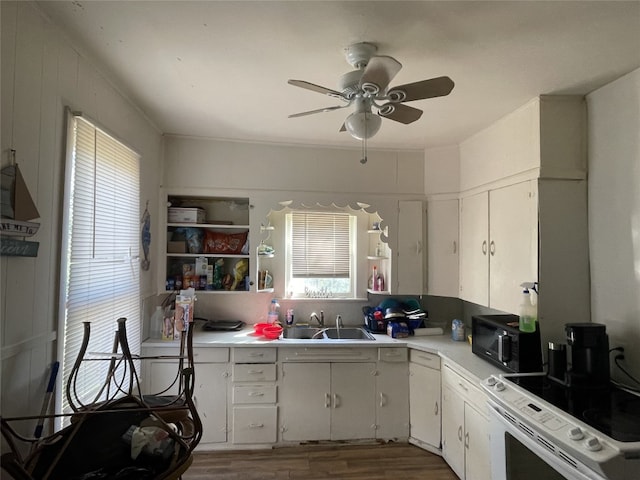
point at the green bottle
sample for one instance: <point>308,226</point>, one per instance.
<point>528,313</point>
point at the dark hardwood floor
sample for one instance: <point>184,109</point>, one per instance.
<point>319,462</point>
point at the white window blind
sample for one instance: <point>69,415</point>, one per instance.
<point>321,246</point>
<point>100,253</point>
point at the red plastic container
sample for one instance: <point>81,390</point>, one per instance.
<point>272,332</point>
<point>258,327</point>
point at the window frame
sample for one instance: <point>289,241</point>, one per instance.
<point>112,258</point>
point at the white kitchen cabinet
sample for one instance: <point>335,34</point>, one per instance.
<point>499,231</point>
<point>424,399</point>
<point>442,248</point>
<point>254,417</point>
<point>328,401</point>
<point>543,142</point>
<point>465,426</point>
<point>210,388</point>
<point>218,240</point>
<point>392,394</point>
<point>410,258</point>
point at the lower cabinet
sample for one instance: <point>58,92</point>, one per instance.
<point>255,395</point>
<point>392,394</point>
<point>210,389</point>
<point>328,401</point>
<point>465,427</point>
<point>424,398</point>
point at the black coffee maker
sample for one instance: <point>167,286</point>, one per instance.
<point>589,354</point>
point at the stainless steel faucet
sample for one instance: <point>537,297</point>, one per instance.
<point>339,323</point>
<point>319,320</point>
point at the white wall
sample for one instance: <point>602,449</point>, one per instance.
<point>41,74</point>
<point>270,173</point>
<point>614,214</point>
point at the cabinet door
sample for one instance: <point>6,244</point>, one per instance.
<point>424,404</point>
<point>474,248</point>
<point>442,248</point>
<point>353,388</point>
<point>411,265</point>
<point>305,401</point>
<point>392,400</point>
<point>162,374</point>
<point>477,445</point>
<point>210,398</point>
<point>513,244</point>
<point>453,430</point>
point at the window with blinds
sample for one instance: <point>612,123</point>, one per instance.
<point>100,273</point>
<point>320,259</point>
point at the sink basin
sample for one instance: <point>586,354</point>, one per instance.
<point>303,333</point>
<point>347,334</point>
<point>326,334</point>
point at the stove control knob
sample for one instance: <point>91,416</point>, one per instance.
<point>575,434</point>
<point>500,386</point>
<point>592,444</point>
<point>491,381</point>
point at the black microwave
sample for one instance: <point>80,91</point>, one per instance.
<point>498,340</point>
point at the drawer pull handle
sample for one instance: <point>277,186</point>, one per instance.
<point>256,425</point>
<point>255,372</point>
<point>423,357</point>
<point>383,400</point>
<point>460,433</point>
<point>336,403</point>
<point>463,386</point>
<point>435,410</point>
<point>256,394</point>
<point>492,248</point>
<point>327,400</point>
<point>254,354</point>
<point>466,440</point>
<point>484,247</point>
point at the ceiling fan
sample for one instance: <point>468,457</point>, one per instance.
<point>367,88</point>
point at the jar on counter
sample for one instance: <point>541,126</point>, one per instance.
<point>457,330</point>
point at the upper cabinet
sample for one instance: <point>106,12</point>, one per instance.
<point>523,212</point>
<point>411,253</point>
<point>207,244</point>
<point>499,229</point>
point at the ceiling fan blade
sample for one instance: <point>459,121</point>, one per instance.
<point>320,110</point>
<point>315,88</point>
<point>434,87</point>
<point>400,112</point>
<point>379,72</point>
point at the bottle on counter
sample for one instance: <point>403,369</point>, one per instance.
<point>528,313</point>
<point>274,312</point>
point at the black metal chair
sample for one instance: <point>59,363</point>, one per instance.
<point>92,446</point>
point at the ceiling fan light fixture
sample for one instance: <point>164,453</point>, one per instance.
<point>370,88</point>
<point>362,125</point>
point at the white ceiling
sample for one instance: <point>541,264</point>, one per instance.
<point>220,68</point>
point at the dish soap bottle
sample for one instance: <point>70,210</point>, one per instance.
<point>528,313</point>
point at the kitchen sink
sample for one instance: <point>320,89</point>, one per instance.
<point>348,334</point>
<point>326,334</point>
<point>303,333</point>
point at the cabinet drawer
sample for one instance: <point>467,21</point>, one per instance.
<point>210,355</point>
<point>247,394</point>
<point>254,355</point>
<point>393,354</point>
<point>426,359</point>
<point>463,387</point>
<point>255,424</point>
<point>248,372</point>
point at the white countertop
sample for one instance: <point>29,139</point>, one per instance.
<point>459,353</point>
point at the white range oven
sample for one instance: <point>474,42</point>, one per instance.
<point>543,430</point>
